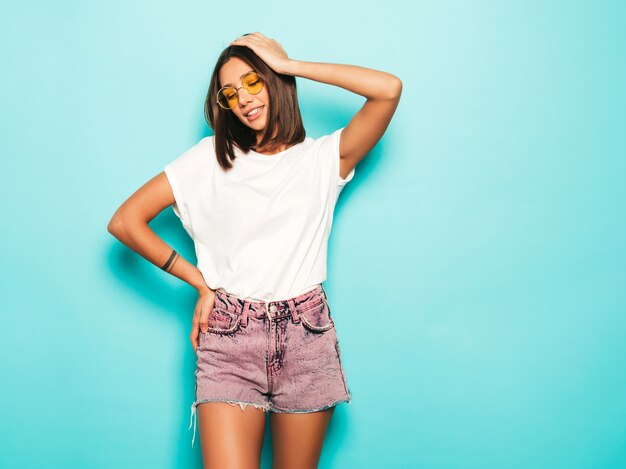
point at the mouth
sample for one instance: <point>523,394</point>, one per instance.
<point>254,112</point>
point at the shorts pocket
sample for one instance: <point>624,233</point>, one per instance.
<point>222,321</point>
<point>316,318</point>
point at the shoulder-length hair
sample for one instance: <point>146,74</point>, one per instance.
<point>284,120</point>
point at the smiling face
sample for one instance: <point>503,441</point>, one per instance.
<point>230,75</point>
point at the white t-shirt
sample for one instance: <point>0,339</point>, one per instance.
<point>260,229</point>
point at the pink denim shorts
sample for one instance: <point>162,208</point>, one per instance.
<point>279,356</point>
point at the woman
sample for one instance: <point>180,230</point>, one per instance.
<point>257,198</point>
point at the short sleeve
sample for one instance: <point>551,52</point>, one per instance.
<point>185,174</point>
<point>332,147</point>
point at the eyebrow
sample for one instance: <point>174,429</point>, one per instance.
<point>229,84</point>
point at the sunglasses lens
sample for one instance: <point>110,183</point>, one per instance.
<point>228,97</point>
<point>252,83</point>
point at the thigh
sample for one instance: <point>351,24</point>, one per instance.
<point>230,437</point>
<point>297,438</point>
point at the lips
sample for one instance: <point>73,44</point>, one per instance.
<point>247,114</point>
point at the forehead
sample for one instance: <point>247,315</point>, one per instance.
<point>231,71</point>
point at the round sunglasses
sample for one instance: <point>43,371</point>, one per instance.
<point>228,96</point>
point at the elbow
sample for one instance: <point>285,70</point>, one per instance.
<point>119,223</point>
<point>123,223</point>
<point>396,87</point>
<point>115,226</point>
<point>392,88</point>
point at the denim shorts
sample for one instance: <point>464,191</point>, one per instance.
<point>279,356</point>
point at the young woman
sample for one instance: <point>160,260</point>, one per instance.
<point>257,198</point>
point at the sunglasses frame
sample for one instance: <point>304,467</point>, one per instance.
<point>237,89</point>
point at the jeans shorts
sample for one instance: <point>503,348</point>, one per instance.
<point>279,356</point>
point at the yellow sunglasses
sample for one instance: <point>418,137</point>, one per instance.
<point>228,96</point>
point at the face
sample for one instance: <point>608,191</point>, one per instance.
<point>230,75</point>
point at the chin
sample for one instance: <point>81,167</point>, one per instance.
<point>258,126</point>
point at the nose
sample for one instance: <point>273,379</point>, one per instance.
<point>243,97</point>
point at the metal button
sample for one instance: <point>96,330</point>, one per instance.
<point>273,308</point>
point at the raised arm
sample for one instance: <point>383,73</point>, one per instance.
<point>368,125</point>
<point>381,89</point>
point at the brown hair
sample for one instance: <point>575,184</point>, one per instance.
<point>284,119</point>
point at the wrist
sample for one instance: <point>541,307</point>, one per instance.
<point>290,67</point>
<point>200,284</point>
<point>204,289</point>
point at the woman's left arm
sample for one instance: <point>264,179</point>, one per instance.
<point>368,125</point>
<point>381,89</point>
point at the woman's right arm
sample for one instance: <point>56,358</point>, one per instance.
<point>130,225</point>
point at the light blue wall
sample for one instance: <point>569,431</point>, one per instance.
<point>477,262</point>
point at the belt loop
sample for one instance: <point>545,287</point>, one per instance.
<point>294,311</point>
<point>267,310</point>
<point>244,314</point>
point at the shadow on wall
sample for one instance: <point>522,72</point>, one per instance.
<point>138,274</point>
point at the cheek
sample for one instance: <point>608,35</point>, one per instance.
<point>266,100</point>
<point>264,96</point>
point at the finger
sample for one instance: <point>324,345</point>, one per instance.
<point>248,40</point>
<point>244,42</point>
<point>194,338</point>
<point>195,327</point>
<point>195,320</point>
<point>204,318</point>
<point>243,38</point>
<point>260,37</point>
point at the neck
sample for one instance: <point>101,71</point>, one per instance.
<point>270,150</point>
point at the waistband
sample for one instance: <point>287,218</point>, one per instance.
<point>275,309</point>
<point>259,300</point>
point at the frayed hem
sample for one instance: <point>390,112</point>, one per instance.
<point>233,402</point>
<point>243,404</point>
<point>304,411</point>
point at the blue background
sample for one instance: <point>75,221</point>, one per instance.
<point>477,261</point>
